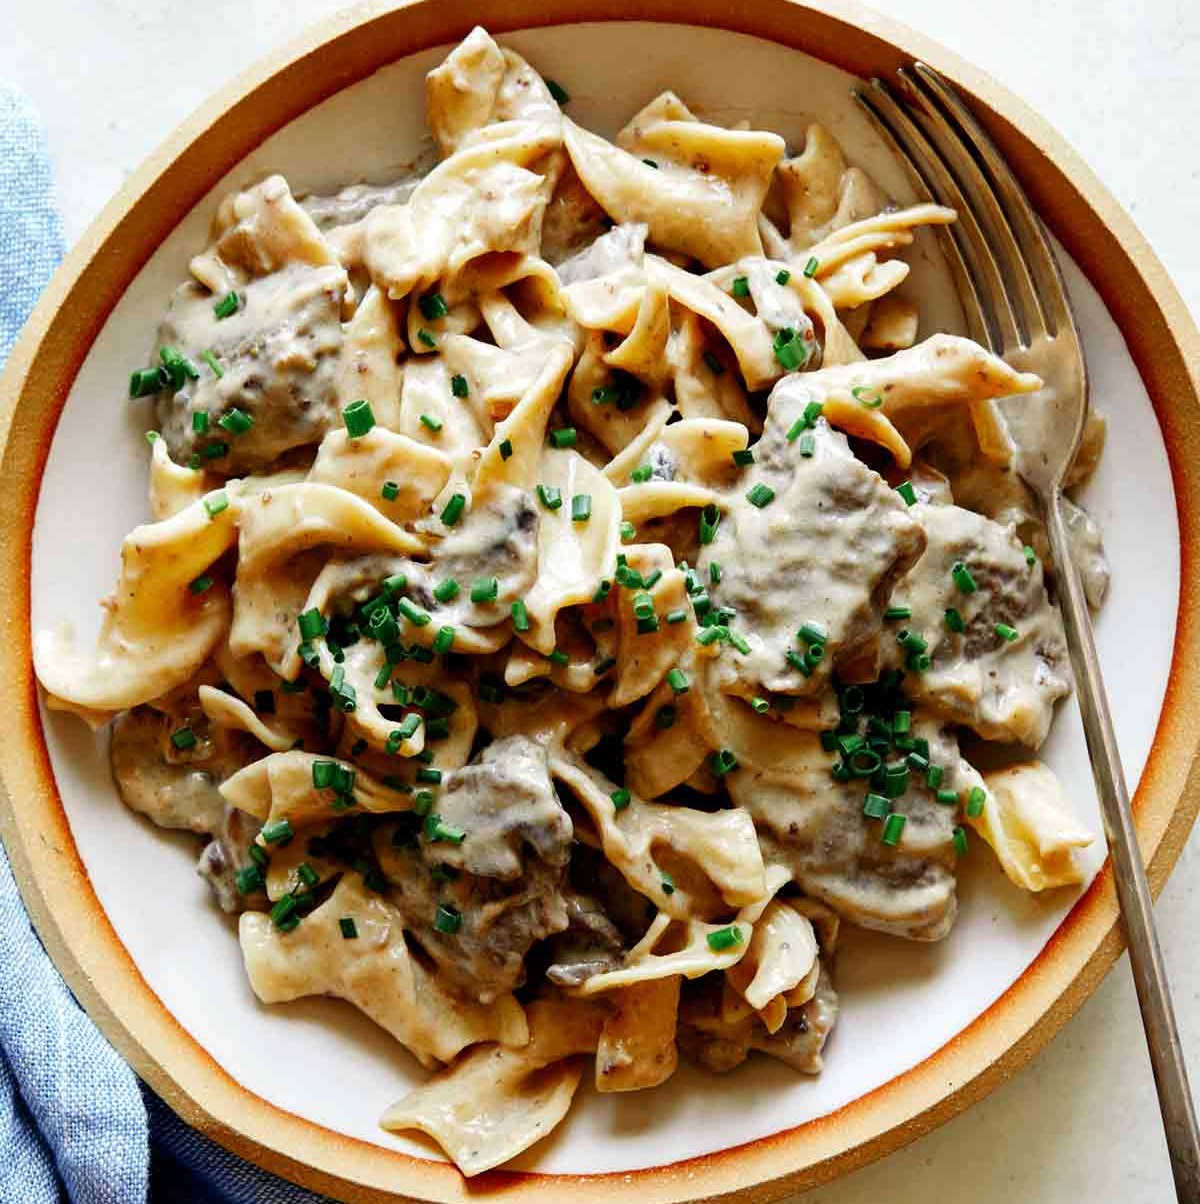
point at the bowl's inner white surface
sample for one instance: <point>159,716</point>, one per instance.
<point>901,1001</point>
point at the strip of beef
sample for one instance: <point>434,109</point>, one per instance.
<point>494,854</point>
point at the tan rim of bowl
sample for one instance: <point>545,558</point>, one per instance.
<point>54,882</point>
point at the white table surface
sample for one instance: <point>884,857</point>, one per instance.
<point>1080,1124</point>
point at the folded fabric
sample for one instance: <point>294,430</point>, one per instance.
<point>75,1123</point>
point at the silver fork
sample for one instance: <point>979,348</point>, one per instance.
<point>1015,304</point>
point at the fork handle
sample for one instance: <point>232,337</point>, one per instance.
<point>1133,891</point>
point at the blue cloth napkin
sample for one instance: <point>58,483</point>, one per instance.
<point>75,1123</point>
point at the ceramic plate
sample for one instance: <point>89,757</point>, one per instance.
<point>925,1029</point>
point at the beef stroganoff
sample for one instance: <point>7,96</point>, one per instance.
<point>573,590</point>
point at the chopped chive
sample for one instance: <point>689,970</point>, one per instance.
<point>725,938</point>
<point>248,880</point>
<point>782,276</point>
<point>200,421</point>
<point>812,267</point>
<point>723,762</point>
<point>710,520</point>
<point>307,874</point>
<point>715,572</point>
<point>898,612</point>
<point>276,831</point>
<point>963,579</point>
<point>486,589</point>
<point>668,884</point>
<point>447,919</point>
<point>760,705</point>
<point>761,496</point>
<point>178,368</point>
<point>603,394</point>
<point>437,830</point>
<point>358,418</point>
<point>796,430</point>
<point>412,612</point>
<point>1005,632</point>
<point>641,474</point>
<point>581,507</point>
<point>948,798</point>
<point>444,640</point>
<point>200,585</point>
<point>506,449</point>
<point>550,496</point>
<point>423,802</point>
<point>743,457</point>
<point>349,928</point>
<point>425,337</point>
<point>1030,556</point>
<point>227,306</point>
<point>714,364</point>
<point>311,624</point>
<point>211,360</point>
<point>960,841</point>
<point>520,616</point>
<point>408,726</point>
<point>933,776</point>
<point>875,806</point>
<point>867,397</point>
<point>739,643</point>
<point>453,509</point>
<point>431,423</point>
<point>446,591</point>
<point>893,826</point>
<point>789,349</point>
<point>710,635</point>
<point>283,913</point>
<point>740,287</point>
<point>394,584</point>
<point>602,590</point>
<point>432,776</point>
<point>664,717</point>
<point>620,799</point>
<point>628,532</point>
<point>236,422</point>
<point>183,738</point>
<point>459,386</point>
<point>677,679</point>
<point>390,491</point>
<point>676,616</point>
<point>383,677</point>
<point>976,798</point>
<point>654,578</point>
<point>907,492</point>
<point>808,445</point>
<point>214,451</point>
<point>560,94</point>
<point>564,436</point>
<point>216,502</point>
<point>433,306</point>
<point>558,657</point>
<point>811,633</point>
<point>911,641</point>
<point>863,762</point>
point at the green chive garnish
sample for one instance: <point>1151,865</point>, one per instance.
<point>963,579</point>
<point>564,436</point>
<point>550,496</point>
<point>907,492</point>
<point>213,366</point>
<point>226,307</point>
<point>506,449</point>
<point>620,799</point>
<point>520,616</point>
<point>215,503</point>
<point>783,276</point>
<point>446,591</point>
<point>183,738</point>
<point>236,422</point>
<point>447,919</point>
<point>960,841</point>
<point>898,612</point>
<point>433,306</point>
<point>975,801</point>
<point>812,267</point>
<point>348,928</point>
<point>581,508</point>
<point>1005,632</point>
<point>459,386</point>
<point>954,621</point>
<point>893,826</point>
<point>431,423</point>
<point>454,509</point>
<point>276,831</point>
<point>311,624</point>
<point>486,589</point>
<point>761,496</point>
<point>390,491</point>
<point>740,287</point>
<point>201,585</point>
<point>444,640</point>
<point>425,337</point>
<point>725,938</point>
<point>358,418</point>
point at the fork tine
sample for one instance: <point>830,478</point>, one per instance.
<point>979,278</point>
<point>1024,223</point>
<point>988,212</point>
